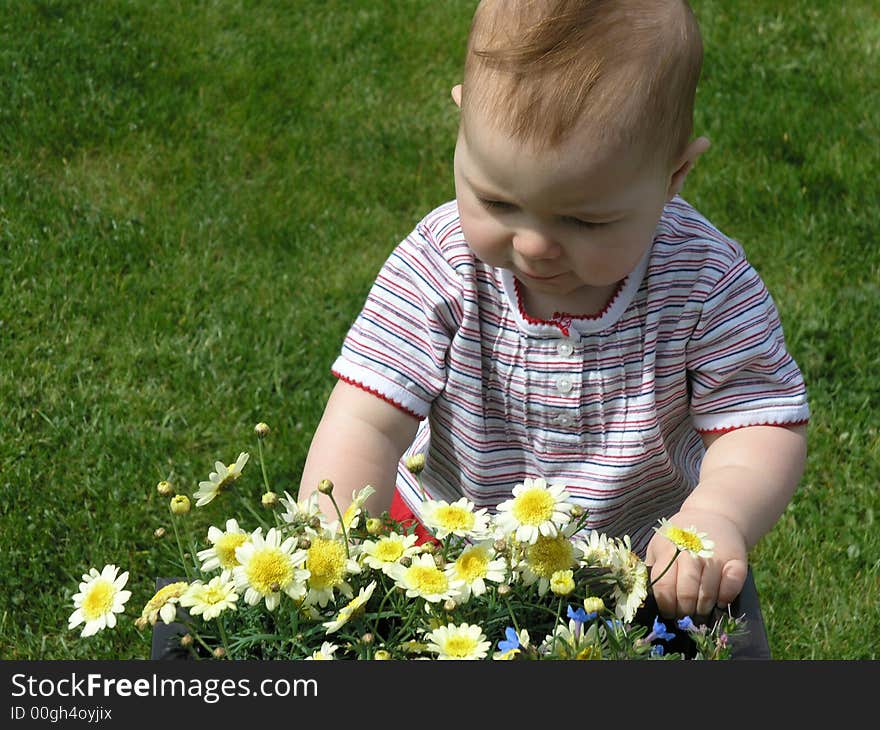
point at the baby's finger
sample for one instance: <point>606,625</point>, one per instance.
<point>687,588</point>
<point>664,591</point>
<point>733,576</point>
<point>710,582</point>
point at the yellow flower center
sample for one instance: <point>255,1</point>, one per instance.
<point>388,550</point>
<point>326,563</point>
<point>550,554</point>
<point>427,580</point>
<point>533,507</point>
<point>225,548</point>
<point>269,567</point>
<point>99,599</point>
<point>166,593</point>
<point>454,517</point>
<point>213,595</point>
<point>685,539</point>
<point>472,564</point>
<point>459,646</point>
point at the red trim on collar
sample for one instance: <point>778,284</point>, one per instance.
<point>375,392</point>
<point>783,424</point>
<point>563,320</point>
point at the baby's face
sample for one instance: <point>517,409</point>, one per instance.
<point>567,222</point>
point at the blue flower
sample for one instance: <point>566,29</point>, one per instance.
<point>512,640</point>
<point>657,650</point>
<point>686,624</point>
<point>579,615</point>
<point>660,631</point>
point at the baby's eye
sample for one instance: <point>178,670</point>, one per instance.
<point>580,223</point>
<point>496,204</point>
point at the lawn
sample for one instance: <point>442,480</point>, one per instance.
<point>196,196</point>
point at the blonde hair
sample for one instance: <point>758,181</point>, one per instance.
<point>626,68</point>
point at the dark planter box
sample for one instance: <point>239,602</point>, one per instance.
<point>752,645</point>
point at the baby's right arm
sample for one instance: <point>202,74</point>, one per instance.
<point>359,441</point>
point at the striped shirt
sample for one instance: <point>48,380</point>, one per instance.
<point>611,404</point>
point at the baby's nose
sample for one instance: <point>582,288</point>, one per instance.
<point>535,244</point>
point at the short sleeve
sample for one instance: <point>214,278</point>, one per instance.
<point>740,372</point>
<point>397,347</point>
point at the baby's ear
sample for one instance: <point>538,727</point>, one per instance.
<point>456,95</point>
<point>691,153</point>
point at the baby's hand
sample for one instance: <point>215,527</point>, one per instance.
<point>694,586</point>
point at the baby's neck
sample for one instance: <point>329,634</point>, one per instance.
<point>587,301</point>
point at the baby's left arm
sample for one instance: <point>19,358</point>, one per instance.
<point>747,478</point>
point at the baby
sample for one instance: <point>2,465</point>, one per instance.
<point>569,316</point>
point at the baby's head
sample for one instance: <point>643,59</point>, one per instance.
<point>622,72</point>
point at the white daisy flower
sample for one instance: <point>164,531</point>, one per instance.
<point>348,611</point>
<point>547,556</point>
<point>536,509</point>
<point>570,641</point>
<point>329,566</point>
<point>630,580</point>
<point>212,599</point>
<point>219,479</point>
<point>596,549</point>
<point>326,652</point>
<point>269,567</point>
<point>221,554</point>
<point>422,578</point>
<point>388,550</point>
<point>459,518</point>
<point>686,540</point>
<point>477,564</point>
<point>99,599</point>
<point>163,604</point>
<point>351,516</point>
<point>464,641</point>
<point>301,514</point>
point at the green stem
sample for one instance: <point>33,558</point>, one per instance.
<point>180,547</point>
<point>341,524</point>
<point>222,628</point>
<point>263,464</point>
<point>651,584</point>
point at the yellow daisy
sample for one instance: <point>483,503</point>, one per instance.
<point>210,600</point>
<point>546,556</point>
<point>351,516</point>
<point>221,554</point>
<point>536,509</point>
<point>630,576</point>
<point>304,514</point>
<point>221,478</point>
<point>328,566</point>
<point>686,540</point>
<point>459,518</point>
<point>348,611</point>
<point>464,641</point>
<point>268,567</point>
<point>326,652</point>
<point>99,599</point>
<point>477,564</point>
<point>422,578</point>
<point>163,604</point>
<point>388,550</point>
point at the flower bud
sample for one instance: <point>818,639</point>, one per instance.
<point>325,486</point>
<point>367,638</point>
<point>504,589</point>
<point>164,488</point>
<point>576,511</point>
<point>159,533</point>
<point>269,499</point>
<point>304,543</point>
<point>141,622</point>
<point>262,429</point>
<point>219,652</point>
<point>275,587</point>
<point>594,604</point>
<point>500,545</point>
<point>314,522</point>
<point>449,605</point>
<point>186,640</point>
<point>562,582</point>
<point>374,525</point>
<point>381,655</point>
<point>180,504</point>
<point>415,463</point>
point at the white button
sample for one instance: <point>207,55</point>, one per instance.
<point>564,384</point>
<point>564,348</point>
<point>563,419</point>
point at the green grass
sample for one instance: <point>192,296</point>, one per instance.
<point>196,196</point>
